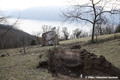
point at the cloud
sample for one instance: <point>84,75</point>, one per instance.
<point>23,4</point>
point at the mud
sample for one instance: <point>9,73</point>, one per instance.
<point>76,61</point>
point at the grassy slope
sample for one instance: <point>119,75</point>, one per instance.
<point>87,39</point>
<point>19,66</point>
<point>110,49</point>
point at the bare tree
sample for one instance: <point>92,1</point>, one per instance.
<point>23,41</point>
<point>46,28</point>
<point>84,34</point>
<point>57,30</point>
<point>91,12</point>
<point>77,33</point>
<point>117,30</point>
<point>65,33</point>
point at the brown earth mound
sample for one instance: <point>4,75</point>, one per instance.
<point>74,62</point>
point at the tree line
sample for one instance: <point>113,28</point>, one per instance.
<point>64,34</point>
<point>17,38</point>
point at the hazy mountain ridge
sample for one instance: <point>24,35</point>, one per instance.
<point>14,38</point>
<point>37,13</point>
<point>49,13</point>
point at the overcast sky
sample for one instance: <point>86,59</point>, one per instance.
<point>23,4</point>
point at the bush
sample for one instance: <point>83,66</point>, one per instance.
<point>117,30</point>
<point>33,42</point>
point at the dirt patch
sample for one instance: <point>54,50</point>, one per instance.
<point>76,47</point>
<point>74,62</point>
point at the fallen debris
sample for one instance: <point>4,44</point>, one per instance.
<point>76,47</point>
<point>76,61</point>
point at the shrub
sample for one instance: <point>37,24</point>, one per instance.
<point>33,42</point>
<point>117,30</point>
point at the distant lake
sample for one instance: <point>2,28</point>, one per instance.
<point>36,25</point>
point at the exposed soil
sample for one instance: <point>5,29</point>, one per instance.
<point>76,61</point>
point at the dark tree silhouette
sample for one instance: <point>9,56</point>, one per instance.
<point>117,30</point>
<point>65,33</point>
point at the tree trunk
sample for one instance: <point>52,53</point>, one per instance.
<point>93,30</point>
<point>96,38</point>
<point>24,49</point>
<point>24,45</point>
<point>101,33</point>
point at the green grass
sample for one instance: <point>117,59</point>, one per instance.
<point>20,66</point>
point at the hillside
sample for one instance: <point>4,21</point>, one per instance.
<point>14,37</point>
<point>20,66</point>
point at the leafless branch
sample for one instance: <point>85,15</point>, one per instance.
<point>98,2</point>
<point>9,28</point>
<point>95,10</point>
<point>83,19</point>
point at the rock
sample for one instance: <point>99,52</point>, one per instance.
<point>50,38</point>
<point>76,62</point>
<point>3,55</point>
